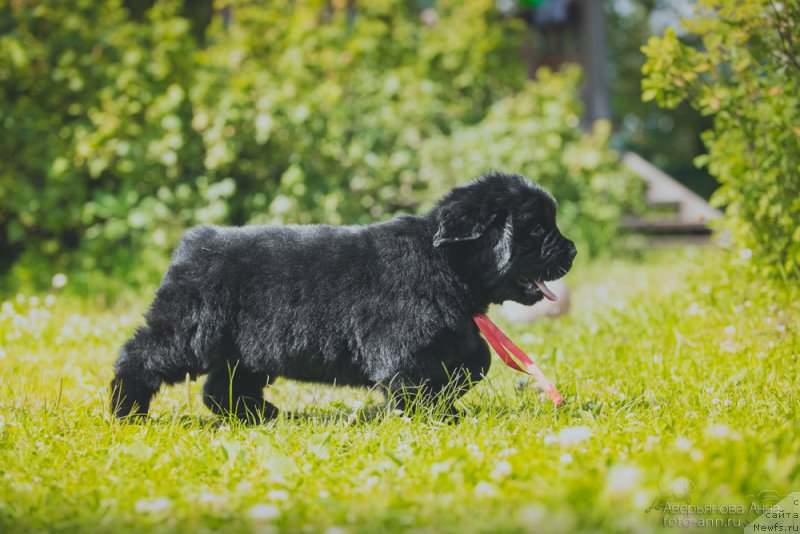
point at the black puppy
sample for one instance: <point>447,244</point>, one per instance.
<point>387,305</point>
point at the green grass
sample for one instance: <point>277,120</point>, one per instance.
<point>681,386</point>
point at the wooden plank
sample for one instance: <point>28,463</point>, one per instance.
<point>663,189</point>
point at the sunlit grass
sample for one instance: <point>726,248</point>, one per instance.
<point>680,379</point>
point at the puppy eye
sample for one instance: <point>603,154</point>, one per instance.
<point>537,231</point>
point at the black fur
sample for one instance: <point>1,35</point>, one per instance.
<point>388,304</point>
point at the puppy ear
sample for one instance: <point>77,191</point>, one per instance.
<point>502,249</point>
<point>458,222</point>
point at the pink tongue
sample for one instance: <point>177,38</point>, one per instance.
<point>549,295</point>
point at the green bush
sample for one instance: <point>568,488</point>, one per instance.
<point>120,131</point>
<point>320,112</point>
<point>99,159</point>
<point>747,76</point>
<point>535,132</point>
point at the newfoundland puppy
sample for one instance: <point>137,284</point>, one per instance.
<point>387,304</point>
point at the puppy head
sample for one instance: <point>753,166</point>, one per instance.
<point>500,231</point>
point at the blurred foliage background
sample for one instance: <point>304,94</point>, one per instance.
<point>669,138</point>
<point>126,122</point>
<point>741,66</point>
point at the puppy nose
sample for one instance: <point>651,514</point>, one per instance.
<point>572,251</point>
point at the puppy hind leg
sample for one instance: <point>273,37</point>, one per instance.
<point>232,390</point>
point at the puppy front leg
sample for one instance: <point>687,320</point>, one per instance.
<point>152,357</point>
<point>135,381</point>
<point>436,394</point>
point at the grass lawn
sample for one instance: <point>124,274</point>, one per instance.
<point>681,383</point>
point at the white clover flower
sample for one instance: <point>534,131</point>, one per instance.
<point>262,513</point>
<point>730,329</point>
<point>212,499</point>
<point>507,452</point>
<point>565,458</point>
<point>352,418</point>
<point>439,467</point>
<point>642,499</point>
<point>745,254</point>
<point>244,486</point>
<point>721,431</point>
<point>681,487</point>
<point>694,309</point>
<point>501,470</point>
<point>59,280</point>
<point>683,444</point>
<point>485,489</point>
<point>50,301</point>
<point>572,435</point>
<point>278,495</point>
<point>153,506</point>
<point>534,515</point>
<point>622,479</point>
<point>475,451</point>
<point>280,205</point>
<point>530,339</point>
<point>20,322</point>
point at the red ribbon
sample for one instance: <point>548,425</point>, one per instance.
<point>500,342</point>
